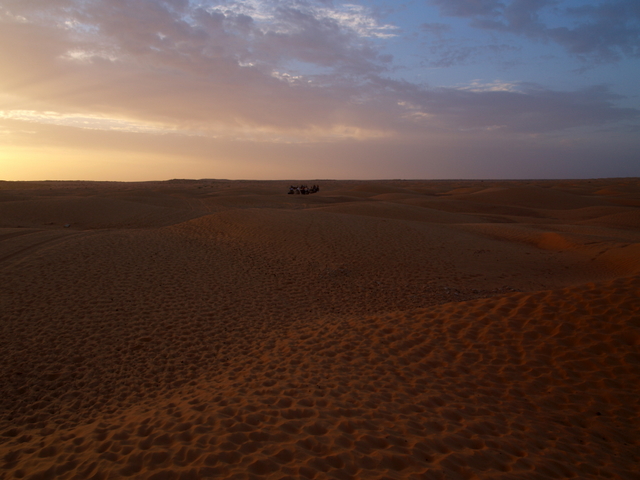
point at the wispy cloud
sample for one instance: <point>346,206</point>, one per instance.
<point>495,86</point>
<point>89,122</point>
<point>269,15</point>
<point>449,53</point>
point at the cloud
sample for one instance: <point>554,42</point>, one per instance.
<point>495,86</point>
<point>469,8</point>
<point>283,72</point>
<point>449,53</point>
<point>312,32</point>
<point>87,121</point>
<point>532,109</point>
<point>194,65</point>
<point>605,32</point>
<point>435,28</point>
<point>320,41</point>
<point>511,108</point>
<point>59,152</point>
<point>267,14</point>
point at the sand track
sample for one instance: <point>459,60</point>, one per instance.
<point>14,250</point>
<point>246,333</point>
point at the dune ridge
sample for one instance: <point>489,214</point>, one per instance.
<point>394,329</point>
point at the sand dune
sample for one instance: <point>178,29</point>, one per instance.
<point>534,197</point>
<point>627,219</point>
<point>218,329</point>
<point>399,211</point>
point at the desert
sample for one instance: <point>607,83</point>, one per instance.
<point>396,329</point>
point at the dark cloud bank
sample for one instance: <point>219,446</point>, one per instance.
<point>603,31</point>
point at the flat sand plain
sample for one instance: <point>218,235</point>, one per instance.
<point>389,329</point>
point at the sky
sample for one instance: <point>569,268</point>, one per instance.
<point>133,90</point>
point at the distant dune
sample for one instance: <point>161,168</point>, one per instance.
<point>389,329</point>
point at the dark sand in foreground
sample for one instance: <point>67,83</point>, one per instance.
<point>392,329</point>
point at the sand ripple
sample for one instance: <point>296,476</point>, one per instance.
<point>337,338</point>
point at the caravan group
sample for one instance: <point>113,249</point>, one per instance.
<point>303,189</point>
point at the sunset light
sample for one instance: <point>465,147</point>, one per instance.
<point>311,82</point>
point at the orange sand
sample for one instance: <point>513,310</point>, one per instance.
<point>396,329</point>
